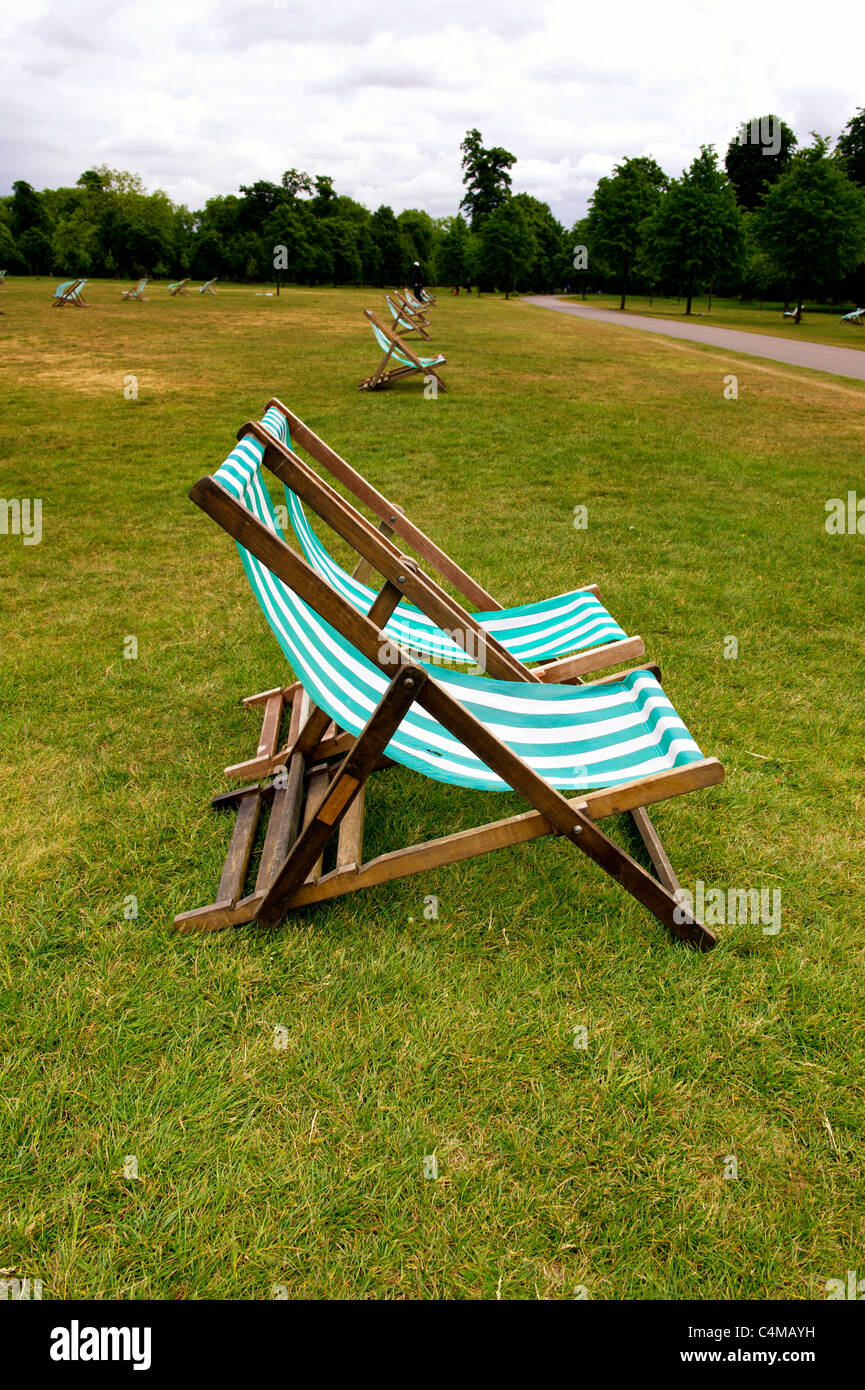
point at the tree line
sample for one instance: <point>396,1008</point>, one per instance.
<point>775,221</point>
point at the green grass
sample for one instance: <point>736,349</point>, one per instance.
<point>815,327</point>
<point>602,1167</point>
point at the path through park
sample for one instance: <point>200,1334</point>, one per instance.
<point>821,357</point>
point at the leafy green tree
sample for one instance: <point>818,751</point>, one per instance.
<point>390,247</point>
<point>421,236</point>
<point>486,178</point>
<point>757,157</point>
<point>549,266</point>
<point>696,231</point>
<point>452,254</point>
<point>26,208</point>
<point>811,223</point>
<point>507,246</point>
<point>9,256</point>
<point>617,212</point>
<point>851,147</point>
<point>295,181</point>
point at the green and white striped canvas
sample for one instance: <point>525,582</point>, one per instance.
<point>533,632</point>
<point>575,737</point>
<point>385,344</point>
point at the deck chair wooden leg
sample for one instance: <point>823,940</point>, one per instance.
<point>218,913</point>
<point>360,762</point>
<point>658,855</point>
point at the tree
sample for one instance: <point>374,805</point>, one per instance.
<point>507,245</point>
<point>851,147</point>
<point>26,208</point>
<point>759,155</point>
<point>452,254</point>
<point>550,264</point>
<point>389,246</point>
<point>696,230</point>
<point>617,211</point>
<point>812,222</point>
<point>486,178</point>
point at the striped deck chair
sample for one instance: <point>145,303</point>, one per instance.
<point>2,278</point>
<point>403,323</point>
<point>137,291</point>
<point>359,704</point>
<point>207,287</point>
<point>179,287</point>
<point>70,293</point>
<point>415,304</point>
<point>857,316</point>
<point>413,315</point>
<point>397,350</point>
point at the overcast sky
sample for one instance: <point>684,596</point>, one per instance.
<point>203,95</point>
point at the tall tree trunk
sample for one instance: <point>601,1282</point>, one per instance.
<point>690,294</point>
<point>709,309</point>
<point>624,287</point>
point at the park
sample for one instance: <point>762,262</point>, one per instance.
<point>476,1030</point>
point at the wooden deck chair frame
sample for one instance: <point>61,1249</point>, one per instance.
<point>410,311</point>
<point>71,295</point>
<point>137,291</point>
<point>179,287</point>
<point>408,322</point>
<point>384,376</point>
<point>289,873</point>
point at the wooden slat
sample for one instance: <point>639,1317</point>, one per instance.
<point>349,849</point>
<point>236,861</point>
<point>513,830</point>
<point>407,683</point>
<point>383,508</point>
<point>285,813</point>
<point>316,790</point>
<point>594,659</point>
<point>658,855</point>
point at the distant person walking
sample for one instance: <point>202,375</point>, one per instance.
<point>416,281</point>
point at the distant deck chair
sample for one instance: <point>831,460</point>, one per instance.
<point>207,287</point>
<point>178,287</point>
<point>403,322</point>
<point>360,705</point>
<point>790,313</point>
<point>2,279</point>
<point>137,291</point>
<point>857,316</point>
<point>417,306</point>
<point>70,293</point>
<point>414,315</point>
<point>395,349</point>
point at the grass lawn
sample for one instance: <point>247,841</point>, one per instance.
<point>558,1167</point>
<point>731,313</point>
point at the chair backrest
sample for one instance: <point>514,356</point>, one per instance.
<point>574,737</point>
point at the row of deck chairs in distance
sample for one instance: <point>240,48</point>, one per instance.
<point>375,686</point>
<point>69,292</point>
<point>409,315</point>
<point>855,316</point>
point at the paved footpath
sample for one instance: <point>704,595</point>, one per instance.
<point>821,357</point>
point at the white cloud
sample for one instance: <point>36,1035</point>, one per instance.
<point>201,98</point>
